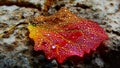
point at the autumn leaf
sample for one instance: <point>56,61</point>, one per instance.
<point>63,35</point>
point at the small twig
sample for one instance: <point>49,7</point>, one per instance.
<point>11,29</point>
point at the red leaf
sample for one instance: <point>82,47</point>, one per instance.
<point>64,34</point>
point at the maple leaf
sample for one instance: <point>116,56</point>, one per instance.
<point>64,34</point>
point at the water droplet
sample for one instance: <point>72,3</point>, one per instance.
<point>53,47</point>
<point>48,34</point>
<point>49,58</point>
<point>69,41</point>
<point>84,39</point>
<point>73,36</point>
<point>92,37</point>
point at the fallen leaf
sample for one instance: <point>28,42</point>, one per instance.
<point>63,35</point>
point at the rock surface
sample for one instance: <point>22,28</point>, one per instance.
<point>16,48</point>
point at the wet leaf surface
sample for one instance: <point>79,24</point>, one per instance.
<point>63,35</point>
